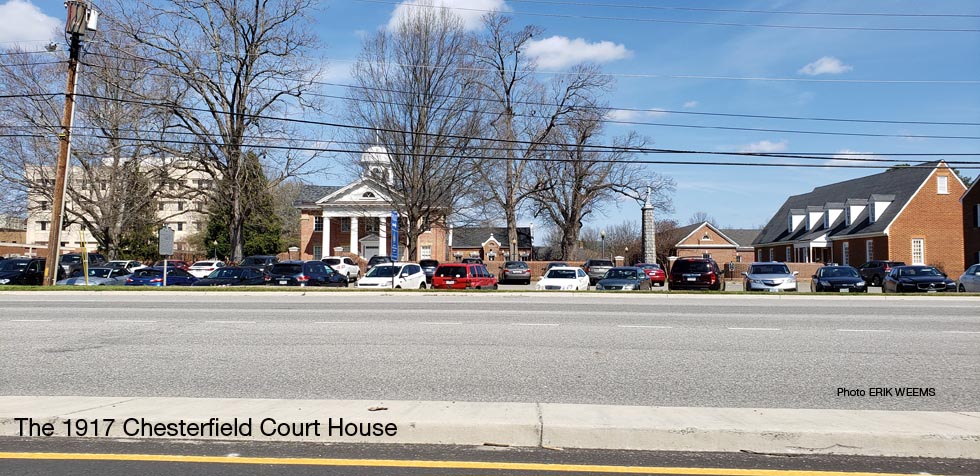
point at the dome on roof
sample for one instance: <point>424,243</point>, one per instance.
<point>375,155</point>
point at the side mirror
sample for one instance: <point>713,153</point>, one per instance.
<point>814,276</point>
<point>796,273</point>
<point>745,274</point>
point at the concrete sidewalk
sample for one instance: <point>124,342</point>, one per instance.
<point>846,432</point>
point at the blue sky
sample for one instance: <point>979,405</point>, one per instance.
<point>666,66</point>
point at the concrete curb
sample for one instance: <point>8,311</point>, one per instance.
<point>847,432</point>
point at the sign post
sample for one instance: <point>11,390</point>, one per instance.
<point>394,245</point>
<point>166,238</point>
<point>84,257</point>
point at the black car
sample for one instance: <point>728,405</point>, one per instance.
<point>262,262</point>
<point>428,267</point>
<point>234,276</point>
<point>696,273</point>
<point>839,279</point>
<point>516,271</point>
<point>911,279</point>
<point>24,271</point>
<point>874,271</point>
<point>473,261</point>
<point>378,259</point>
<point>71,263</point>
<point>305,273</point>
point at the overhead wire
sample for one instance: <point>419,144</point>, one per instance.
<point>734,10</point>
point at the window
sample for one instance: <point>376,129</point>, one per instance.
<point>772,254</point>
<point>976,215</point>
<point>426,252</point>
<point>738,258</point>
<point>372,225</point>
<point>942,185</point>
<point>180,226</point>
<point>45,205</point>
<point>758,255</point>
<point>847,216</point>
<point>869,250</point>
<point>789,253</point>
<point>368,195</point>
<point>160,206</point>
<point>826,219</point>
<point>918,251</point>
<point>345,225</point>
<point>180,206</point>
<point>317,224</point>
<point>845,253</point>
<point>317,252</point>
<point>706,237</point>
<point>789,223</point>
<point>871,212</point>
<point>42,225</point>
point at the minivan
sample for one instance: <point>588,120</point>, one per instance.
<point>696,273</point>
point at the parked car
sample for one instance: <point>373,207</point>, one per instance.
<point>926,279</point>
<point>516,271</point>
<point>463,276</point>
<point>378,259</point>
<point>874,271</point>
<point>98,277</point>
<point>129,265</point>
<point>657,274</point>
<point>429,268</point>
<point>555,264</point>
<point>24,271</point>
<point>564,278</point>
<point>969,281</point>
<point>173,263</point>
<point>472,260</point>
<point>235,276</point>
<point>596,269</point>
<point>262,262</point>
<point>399,275</point>
<point>696,273</point>
<point>770,276</point>
<point>838,279</point>
<point>72,263</point>
<point>153,276</point>
<point>624,278</point>
<point>344,265</point>
<point>305,273</point>
<point>201,269</point>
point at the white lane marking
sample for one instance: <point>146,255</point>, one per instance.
<point>961,332</point>
<point>230,322</point>
<point>863,330</point>
<point>441,323</point>
<point>646,327</point>
<point>753,329</point>
<point>340,322</point>
<point>128,321</point>
<point>533,324</point>
<point>31,320</point>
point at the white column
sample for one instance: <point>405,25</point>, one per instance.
<point>383,236</point>
<point>354,245</point>
<point>326,236</point>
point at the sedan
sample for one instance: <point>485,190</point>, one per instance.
<point>176,263</point>
<point>130,265</point>
<point>564,278</point>
<point>657,275</point>
<point>925,279</point>
<point>201,269</point>
<point>626,278</point>
<point>516,271</point>
<point>970,280</point>
<point>394,275</point>
<point>842,279</point>
<point>772,277</point>
<point>305,273</point>
<point>98,277</point>
<point>154,277</point>
<point>234,276</point>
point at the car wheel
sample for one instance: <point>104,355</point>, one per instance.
<point>494,287</point>
<point>876,280</point>
<point>962,289</point>
<point>527,283</point>
<point>422,286</point>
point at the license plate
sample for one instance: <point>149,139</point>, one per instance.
<point>450,282</point>
<point>283,282</point>
<point>845,290</point>
<point>931,291</point>
<point>774,290</point>
<point>692,279</point>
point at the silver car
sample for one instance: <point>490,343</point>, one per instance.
<point>969,282</point>
<point>773,277</point>
<point>98,277</point>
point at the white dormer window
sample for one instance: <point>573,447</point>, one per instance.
<point>826,219</point>
<point>942,185</point>
<point>871,213</point>
<point>789,223</point>
<point>847,216</point>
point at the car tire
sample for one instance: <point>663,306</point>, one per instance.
<point>422,285</point>
<point>876,280</point>
<point>527,283</point>
<point>494,287</point>
<point>961,289</point>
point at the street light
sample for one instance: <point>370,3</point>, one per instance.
<point>602,234</point>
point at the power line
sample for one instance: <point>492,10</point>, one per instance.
<point>686,22</point>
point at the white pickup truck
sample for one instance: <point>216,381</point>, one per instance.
<point>344,265</point>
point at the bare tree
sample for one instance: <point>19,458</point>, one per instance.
<point>524,112</point>
<point>579,179</point>
<point>700,217</point>
<point>411,96</point>
<point>233,62</point>
<point>668,234</point>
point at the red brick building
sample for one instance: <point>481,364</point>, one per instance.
<point>730,245</point>
<point>971,224</point>
<point>911,214</point>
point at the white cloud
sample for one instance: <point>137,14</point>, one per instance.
<point>848,156</point>
<point>765,147</point>
<point>690,104</point>
<point>633,115</point>
<point>24,22</point>
<point>470,11</point>
<point>560,51</point>
<point>825,65</point>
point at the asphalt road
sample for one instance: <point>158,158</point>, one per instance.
<point>655,349</point>
<point>218,459</point>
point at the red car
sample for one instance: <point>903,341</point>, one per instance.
<point>657,275</point>
<point>463,276</point>
<point>175,263</point>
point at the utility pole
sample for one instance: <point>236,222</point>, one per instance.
<point>81,18</point>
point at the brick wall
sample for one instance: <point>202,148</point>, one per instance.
<point>935,218</point>
<point>857,250</point>
<point>971,227</point>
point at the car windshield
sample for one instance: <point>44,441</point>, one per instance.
<point>451,272</point>
<point>839,273</point>
<point>331,261</point>
<point>621,274</point>
<point>769,269</point>
<point>561,274</point>
<point>919,272</point>
<point>515,265</point>
<point>13,265</point>
<point>382,271</point>
<point>147,273</point>
<point>99,272</point>
<point>286,268</point>
<point>691,267</point>
<point>226,273</point>
<point>71,259</point>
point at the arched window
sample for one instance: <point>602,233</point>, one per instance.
<point>369,195</point>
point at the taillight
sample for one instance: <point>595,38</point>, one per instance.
<point>129,280</point>
<point>713,277</point>
<point>267,277</point>
<point>888,268</point>
<point>302,278</point>
<point>156,280</point>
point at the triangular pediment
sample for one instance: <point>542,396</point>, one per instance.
<point>361,192</point>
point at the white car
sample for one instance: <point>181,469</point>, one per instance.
<point>564,278</point>
<point>202,269</point>
<point>770,276</point>
<point>969,282</point>
<point>130,265</point>
<point>406,276</point>
<point>343,265</point>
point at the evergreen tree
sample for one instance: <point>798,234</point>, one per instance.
<point>262,230</point>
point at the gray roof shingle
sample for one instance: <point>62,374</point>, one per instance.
<point>473,237</point>
<point>310,194</point>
